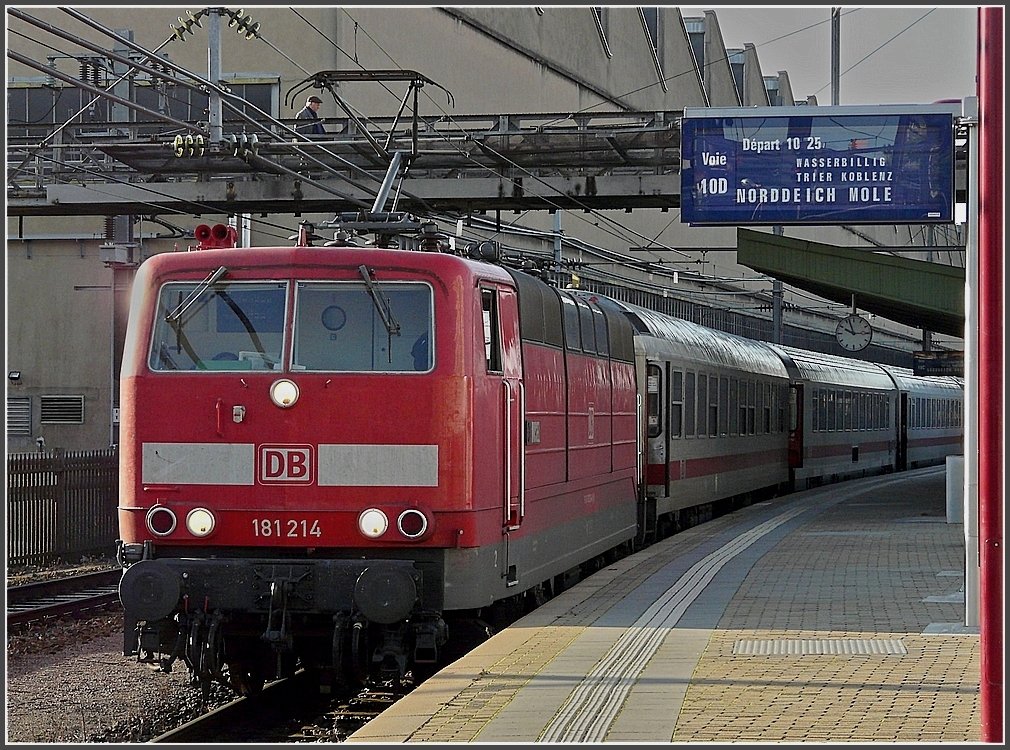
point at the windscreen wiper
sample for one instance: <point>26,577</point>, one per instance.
<point>213,278</point>
<point>381,303</point>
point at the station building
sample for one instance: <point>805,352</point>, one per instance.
<point>68,274</point>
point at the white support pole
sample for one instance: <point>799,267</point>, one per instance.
<point>970,411</point>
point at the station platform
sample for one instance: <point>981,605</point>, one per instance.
<point>830,615</point>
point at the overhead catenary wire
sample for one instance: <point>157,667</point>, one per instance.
<point>519,167</point>
<point>650,241</point>
<point>234,102</point>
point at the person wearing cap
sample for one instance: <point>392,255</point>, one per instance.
<point>313,126</point>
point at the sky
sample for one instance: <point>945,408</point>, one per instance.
<point>887,54</point>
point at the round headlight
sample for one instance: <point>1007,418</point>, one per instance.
<point>284,393</point>
<point>373,523</point>
<point>161,521</point>
<point>200,522</point>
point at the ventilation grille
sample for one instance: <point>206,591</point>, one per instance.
<point>61,410</point>
<point>19,415</point>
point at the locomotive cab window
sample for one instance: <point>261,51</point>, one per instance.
<point>570,312</point>
<point>587,327</point>
<point>349,327</point>
<point>219,325</point>
<point>492,336</point>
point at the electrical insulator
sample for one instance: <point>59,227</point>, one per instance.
<point>243,23</point>
<point>188,145</point>
<point>244,145</point>
<point>187,24</point>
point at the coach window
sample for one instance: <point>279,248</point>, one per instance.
<point>218,325</point>
<point>492,339</point>
<point>783,398</point>
<point>713,406</point>
<point>724,406</point>
<point>734,407</point>
<point>676,404</point>
<point>743,407</point>
<point>702,405</point>
<point>768,408</point>
<point>751,406</point>
<point>689,404</point>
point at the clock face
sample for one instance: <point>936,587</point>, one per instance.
<point>853,333</point>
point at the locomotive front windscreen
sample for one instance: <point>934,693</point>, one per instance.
<point>338,326</point>
<point>219,326</point>
<point>354,327</point>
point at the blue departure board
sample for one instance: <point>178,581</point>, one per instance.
<point>770,165</point>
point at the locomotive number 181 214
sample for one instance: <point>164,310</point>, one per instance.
<point>289,527</point>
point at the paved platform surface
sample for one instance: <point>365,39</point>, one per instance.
<point>831,615</point>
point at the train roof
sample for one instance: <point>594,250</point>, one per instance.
<point>695,342</point>
<point>907,380</point>
<point>830,369</point>
<point>286,260</point>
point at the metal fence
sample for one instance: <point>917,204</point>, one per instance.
<point>61,505</point>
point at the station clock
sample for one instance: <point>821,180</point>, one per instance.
<point>853,333</point>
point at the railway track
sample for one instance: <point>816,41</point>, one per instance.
<point>287,711</point>
<point>59,597</point>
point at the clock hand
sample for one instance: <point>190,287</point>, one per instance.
<point>849,322</point>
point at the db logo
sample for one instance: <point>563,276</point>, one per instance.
<point>286,464</point>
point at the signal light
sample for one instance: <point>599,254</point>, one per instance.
<point>217,236</point>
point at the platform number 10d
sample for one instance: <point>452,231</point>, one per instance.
<point>713,186</point>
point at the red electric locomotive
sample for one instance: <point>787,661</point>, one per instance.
<point>326,451</point>
<point>330,455</point>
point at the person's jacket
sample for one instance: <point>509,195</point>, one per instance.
<point>314,126</point>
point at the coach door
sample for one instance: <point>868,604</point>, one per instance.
<point>796,425</point>
<point>901,422</point>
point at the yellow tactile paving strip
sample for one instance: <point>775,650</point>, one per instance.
<point>465,714</point>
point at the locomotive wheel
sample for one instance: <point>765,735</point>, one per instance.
<point>245,680</point>
<point>212,652</point>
